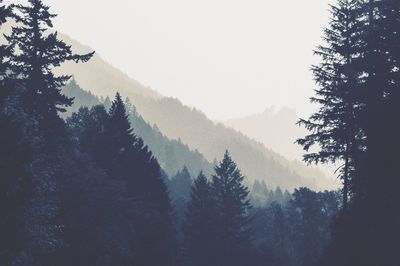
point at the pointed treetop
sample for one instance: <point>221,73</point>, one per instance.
<point>34,53</point>
<point>227,167</point>
<point>201,178</point>
<point>201,187</point>
<point>185,172</point>
<point>119,121</point>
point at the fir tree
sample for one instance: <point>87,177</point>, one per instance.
<point>333,128</point>
<point>39,52</point>
<point>279,243</point>
<point>145,209</point>
<point>119,147</point>
<point>232,203</point>
<point>33,100</point>
<point>119,124</point>
<point>180,184</point>
<point>371,225</point>
<point>199,226</point>
<point>306,218</point>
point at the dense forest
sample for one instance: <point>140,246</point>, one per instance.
<point>93,183</point>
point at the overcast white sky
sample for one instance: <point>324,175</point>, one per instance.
<point>229,58</point>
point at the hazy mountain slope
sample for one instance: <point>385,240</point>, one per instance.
<point>276,128</point>
<point>97,75</point>
<point>177,121</point>
<point>173,155</point>
<point>100,77</point>
<point>211,139</point>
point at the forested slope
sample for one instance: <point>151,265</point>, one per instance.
<point>172,155</point>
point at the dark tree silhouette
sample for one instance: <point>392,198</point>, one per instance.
<point>234,235</point>
<point>310,222</point>
<point>39,51</point>
<point>365,233</point>
<point>145,206</point>
<point>32,100</point>
<point>333,129</point>
<point>180,185</point>
<point>199,226</point>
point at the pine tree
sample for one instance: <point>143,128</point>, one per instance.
<point>145,208</point>
<point>379,96</point>
<point>180,184</point>
<point>366,133</point>
<point>333,127</point>
<point>39,52</point>
<point>146,187</point>
<point>15,154</point>
<point>199,226</point>
<point>119,145</point>
<point>33,100</point>
<point>234,237</point>
<point>279,242</point>
<point>309,228</point>
<point>119,124</point>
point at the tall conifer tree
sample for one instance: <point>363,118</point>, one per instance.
<point>33,103</point>
<point>200,225</point>
<point>36,52</point>
<point>234,236</point>
<point>333,127</point>
<point>14,154</point>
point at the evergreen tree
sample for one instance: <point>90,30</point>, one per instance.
<point>199,226</point>
<point>234,236</point>
<point>145,208</point>
<point>39,52</point>
<point>119,147</point>
<point>278,245</point>
<point>180,184</point>
<point>310,216</point>
<point>259,194</point>
<point>333,128</point>
<point>371,226</point>
<point>119,124</point>
<point>33,99</point>
<point>145,185</point>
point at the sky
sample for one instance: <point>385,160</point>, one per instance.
<point>228,58</point>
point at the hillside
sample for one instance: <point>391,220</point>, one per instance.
<point>275,128</point>
<point>192,127</point>
<point>107,80</point>
<point>172,155</point>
